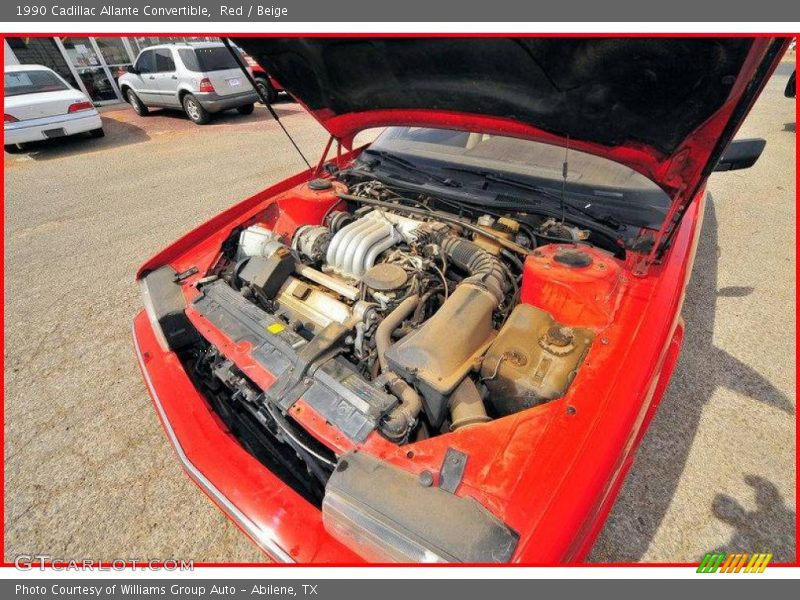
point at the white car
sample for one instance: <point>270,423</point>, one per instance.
<point>40,105</point>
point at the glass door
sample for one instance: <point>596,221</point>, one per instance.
<point>115,56</point>
<point>86,60</point>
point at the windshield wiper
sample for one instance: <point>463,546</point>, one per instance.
<point>606,220</point>
<point>407,165</point>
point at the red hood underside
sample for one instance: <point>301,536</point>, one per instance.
<point>666,107</point>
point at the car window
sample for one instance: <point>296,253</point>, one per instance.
<point>514,156</point>
<point>146,63</point>
<point>216,58</point>
<point>32,82</point>
<point>164,62</point>
<point>189,59</point>
<point>597,180</point>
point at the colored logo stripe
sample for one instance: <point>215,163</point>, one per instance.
<point>734,563</point>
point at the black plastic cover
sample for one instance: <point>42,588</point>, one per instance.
<point>169,306</point>
<point>333,388</point>
<point>267,275</point>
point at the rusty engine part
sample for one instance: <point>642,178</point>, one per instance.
<point>398,423</point>
<point>385,277</point>
<point>466,406</point>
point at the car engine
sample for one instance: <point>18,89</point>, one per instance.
<point>402,319</point>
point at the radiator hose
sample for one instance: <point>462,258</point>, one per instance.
<point>398,422</point>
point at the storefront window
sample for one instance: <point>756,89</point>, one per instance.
<point>115,55</point>
<point>86,61</point>
<point>113,51</point>
<point>41,51</point>
<point>80,51</point>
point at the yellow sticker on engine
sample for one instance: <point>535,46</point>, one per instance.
<point>275,328</point>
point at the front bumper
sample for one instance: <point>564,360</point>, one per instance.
<point>32,130</point>
<point>282,523</point>
<point>214,102</point>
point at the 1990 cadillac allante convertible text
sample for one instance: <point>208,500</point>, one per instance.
<point>447,345</point>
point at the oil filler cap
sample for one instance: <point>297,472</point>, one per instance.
<point>573,258</point>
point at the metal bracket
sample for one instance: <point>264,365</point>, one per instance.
<point>452,470</point>
<point>185,274</point>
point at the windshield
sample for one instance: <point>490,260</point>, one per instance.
<point>595,180</point>
<point>205,60</point>
<point>32,82</point>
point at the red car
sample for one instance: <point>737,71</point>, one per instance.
<point>447,345</point>
<point>265,83</point>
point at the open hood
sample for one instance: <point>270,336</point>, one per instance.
<point>665,107</point>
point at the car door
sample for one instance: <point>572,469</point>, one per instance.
<point>144,82</point>
<point>166,77</point>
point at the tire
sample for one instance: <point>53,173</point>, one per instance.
<point>138,107</point>
<point>194,110</point>
<point>246,109</point>
<point>266,89</point>
<point>97,133</point>
<point>14,148</point>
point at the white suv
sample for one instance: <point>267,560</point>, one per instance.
<point>200,78</point>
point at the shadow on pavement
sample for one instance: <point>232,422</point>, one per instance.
<point>791,127</point>
<point>735,291</point>
<point>702,368</point>
<point>122,127</point>
<point>118,133</point>
<point>228,116</point>
<point>768,528</point>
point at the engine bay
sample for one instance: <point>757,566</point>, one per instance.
<point>401,318</point>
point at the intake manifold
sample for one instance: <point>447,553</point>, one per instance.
<point>356,247</point>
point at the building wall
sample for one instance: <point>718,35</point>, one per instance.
<point>90,64</point>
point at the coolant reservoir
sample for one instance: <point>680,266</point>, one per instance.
<point>533,360</point>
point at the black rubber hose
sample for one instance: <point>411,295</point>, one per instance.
<point>483,268</point>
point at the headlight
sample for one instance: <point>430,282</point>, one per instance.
<point>385,514</point>
<point>372,537</point>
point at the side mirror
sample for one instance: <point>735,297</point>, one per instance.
<point>132,70</point>
<point>740,154</point>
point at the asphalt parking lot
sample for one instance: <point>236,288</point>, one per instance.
<point>89,472</point>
